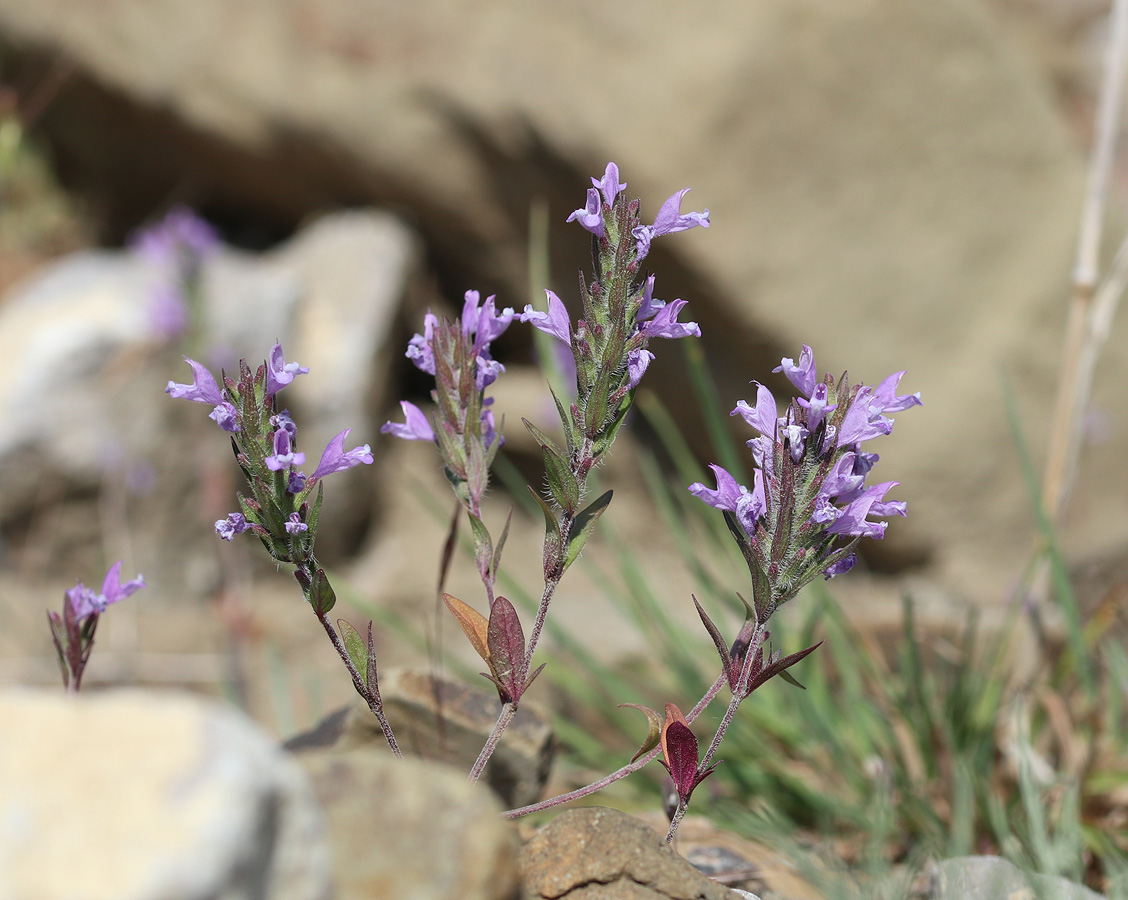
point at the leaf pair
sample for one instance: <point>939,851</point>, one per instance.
<point>363,655</point>
<point>679,748</point>
<point>744,665</point>
<point>500,641</point>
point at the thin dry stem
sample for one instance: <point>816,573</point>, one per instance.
<point>1079,355</point>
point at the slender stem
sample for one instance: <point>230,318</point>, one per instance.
<point>538,624</point>
<point>676,821</point>
<point>508,710</point>
<point>734,704</point>
<point>1065,431</point>
<point>618,773</point>
<point>372,699</point>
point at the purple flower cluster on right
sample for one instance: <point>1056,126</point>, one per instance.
<point>809,503</point>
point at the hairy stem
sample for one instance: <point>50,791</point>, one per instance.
<point>508,711</point>
<point>676,821</point>
<point>618,773</point>
<point>370,697</point>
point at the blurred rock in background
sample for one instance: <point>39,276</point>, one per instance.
<point>893,183</point>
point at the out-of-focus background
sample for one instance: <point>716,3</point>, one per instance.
<point>895,182</point>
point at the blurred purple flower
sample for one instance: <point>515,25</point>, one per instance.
<point>416,427</point>
<point>84,601</point>
<point>234,524</point>
<point>204,390</point>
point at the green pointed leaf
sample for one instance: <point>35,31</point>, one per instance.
<point>565,421</point>
<point>583,526</point>
<point>562,483</point>
<point>354,643</point>
<point>790,679</point>
<point>483,546</point>
<point>501,545</point>
<point>542,439</point>
<point>655,732</point>
<point>551,523</point>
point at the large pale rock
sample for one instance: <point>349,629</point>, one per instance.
<point>887,180</point>
<point>412,830</point>
<point>84,396</point>
<point>145,796</point>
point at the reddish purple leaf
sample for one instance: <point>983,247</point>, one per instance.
<point>680,748</point>
<point>506,641</point>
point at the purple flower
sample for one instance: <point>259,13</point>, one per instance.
<point>283,455</point>
<point>420,349</point>
<point>730,495</point>
<point>554,322</point>
<point>416,428</point>
<point>650,305</point>
<point>486,372</point>
<point>764,415</point>
<point>204,390</point>
<point>590,217</point>
<point>818,406</point>
<point>885,399</point>
<point>803,375</point>
<point>668,221</point>
<point>665,323</point>
<point>638,360</point>
<point>841,567</point>
<point>861,423</point>
<point>280,373</point>
<point>852,521</point>
<point>84,601</point>
<point>296,483</point>
<point>486,324</point>
<point>295,525</point>
<point>489,427</point>
<point>168,311</point>
<point>181,230</point>
<point>336,459</point>
<point>610,186</point>
<point>234,524</point>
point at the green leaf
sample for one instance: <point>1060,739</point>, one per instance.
<point>354,643</point>
<point>542,439</point>
<point>565,421</point>
<point>655,732</point>
<point>561,482</point>
<point>551,523</point>
<point>483,546</point>
<point>583,525</point>
<point>496,562</point>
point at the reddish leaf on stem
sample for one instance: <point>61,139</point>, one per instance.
<point>506,641</point>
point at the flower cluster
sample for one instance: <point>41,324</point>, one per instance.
<point>458,355</point>
<point>72,632</point>
<point>809,504</point>
<point>175,248</point>
<point>279,510</point>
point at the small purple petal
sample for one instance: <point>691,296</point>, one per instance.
<point>885,399</point>
<point>802,374</point>
<point>295,525</point>
<point>420,349</point>
<point>665,323</point>
<point>234,524</point>
<point>668,221</point>
<point>336,459</point>
<point>591,216</point>
<point>280,373</point>
<point>416,428</point>
<point>650,305</point>
<point>610,186</point>
<point>203,388</point>
<point>638,361</point>
<point>486,372</point>
<point>554,322</point>
<point>728,492</point>
<point>764,415</point>
<point>841,567</point>
<point>283,455</point>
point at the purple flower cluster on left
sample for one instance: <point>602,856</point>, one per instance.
<point>266,446</point>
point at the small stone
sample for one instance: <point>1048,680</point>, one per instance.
<point>411,829</point>
<point>518,769</point>
<point>603,854</point>
<point>994,878</point>
<point>136,795</point>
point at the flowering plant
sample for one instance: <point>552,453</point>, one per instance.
<point>807,509</point>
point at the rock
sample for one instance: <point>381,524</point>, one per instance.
<point>604,854</point>
<point>412,829</point>
<point>87,374</point>
<point>147,796</point>
<point>517,771</point>
<point>888,182</point>
<point>993,878</point>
